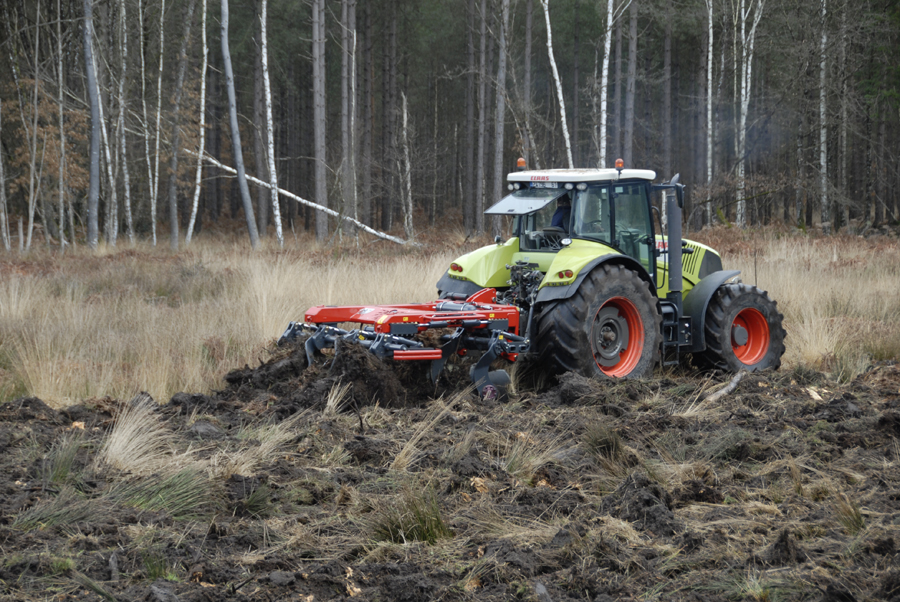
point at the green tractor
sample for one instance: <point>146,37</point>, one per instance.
<point>605,292</point>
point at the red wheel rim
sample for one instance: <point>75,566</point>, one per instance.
<point>617,337</point>
<point>757,329</point>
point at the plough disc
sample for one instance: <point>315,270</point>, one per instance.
<point>478,323</point>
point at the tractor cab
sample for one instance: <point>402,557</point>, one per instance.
<point>605,206</point>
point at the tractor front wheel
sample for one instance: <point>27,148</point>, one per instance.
<point>610,327</point>
<point>743,330</point>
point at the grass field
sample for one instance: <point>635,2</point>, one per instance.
<point>123,320</point>
<point>352,479</point>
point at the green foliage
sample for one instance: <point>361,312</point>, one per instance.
<point>60,460</point>
<point>184,494</point>
<point>156,566</point>
<point>415,517</point>
<point>66,508</point>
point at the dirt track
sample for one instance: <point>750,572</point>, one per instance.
<point>786,488</point>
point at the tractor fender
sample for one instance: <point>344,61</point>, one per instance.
<point>697,300</point>
<point>555,293</point>
<point>451,285</point>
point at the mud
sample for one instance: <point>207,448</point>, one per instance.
<point>785,489</point>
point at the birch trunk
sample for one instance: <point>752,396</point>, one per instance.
<point>500,114</point>
<point>482,110</point>
<point>4,216</point>
<point>61,177</point>
<point>823,127</point>
<point>195,204</point>
<point>93,200</point>
<point>709,111</point>
<point>528,143</point>
<point>235,131</point>
<point>604,84</point>
<point>318,51</point>
<point>176,127</point>
<point>33,187</point>
<point>348,78</point>
<point>558,83</point>
<point>630,83</point>
<point>126,180</point>
<point>844,109</point>
<point>406,171</point>
<point>270,130</point>
<point>154,176</point>
<point>112,204</point>
<point>667,99</point>
<point>748,40</point>
<point>469,176</point>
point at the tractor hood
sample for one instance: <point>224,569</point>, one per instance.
<point>527,200</point>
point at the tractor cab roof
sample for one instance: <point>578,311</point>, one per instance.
<point>580,175</point>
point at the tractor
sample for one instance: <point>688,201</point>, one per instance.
<point>587,282</point>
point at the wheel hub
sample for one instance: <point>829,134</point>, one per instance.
<point>612,336</point>
<point>739,335</point>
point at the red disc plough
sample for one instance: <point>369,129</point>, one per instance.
<point>478,323</point>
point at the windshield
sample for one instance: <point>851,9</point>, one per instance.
<point>624,224</point>
<point>526,201</point>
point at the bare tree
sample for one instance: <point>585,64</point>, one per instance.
<point>34,186</point>
<point>469,175</point>
<point>500,113</point>
<point>348,106</point>
<point>709,110</point>
<point>318,51</point>
<point>482,118</point>
<point>126,180</point>
<point>557,81</point>
<point>94,96</point>
<point>235,131</point>
<point>823,126</point>
<point>270,132</point>
<point>154,176</point>
<point>4,217</point>
<point>746,9</point>
<point>405,170</point>
<point>631,80</point>
<point>61,177</point>
<point>195,204</point>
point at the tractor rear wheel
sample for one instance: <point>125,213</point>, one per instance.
<point>610,327</point>
<point>743,330</point>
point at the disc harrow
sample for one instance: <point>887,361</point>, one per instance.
<point>478,323</point>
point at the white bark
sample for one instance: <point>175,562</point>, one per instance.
<point>94,160</point>
<point>61,177</point>
<point>270,131</point>
<point>319,116</point>
<point>823,127</point>
<point>556,80</point>
<point>303,201</point>
<point>112,226</point>
<point>709,111</point>
<point>604,84</point>
<point>154,176</point>
<point>748,40</point>
<point>126,180</point>
<point>146,123</point>
<point>4,218</point>
<point>406,169</point>
<point>33,187</point>
<point>195,204</point>
<point>500,113</point>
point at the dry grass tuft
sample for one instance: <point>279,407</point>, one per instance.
<point>263,444</point>
<point>139,442</point>
<point>849,514</point>
<point>406,455</point>
<point>416,516</point>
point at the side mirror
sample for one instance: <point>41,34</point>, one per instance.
<point>679,193</point>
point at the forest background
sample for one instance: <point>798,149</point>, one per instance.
<point>402,114</point>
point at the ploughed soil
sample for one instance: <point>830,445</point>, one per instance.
<point>382,486</point>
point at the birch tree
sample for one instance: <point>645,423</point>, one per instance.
<point>270,132</point>
<point>748,10</point>
<point>500,113</point>
<point>405,170</point>
<point>33,185</point>
<point>235,131</point>
<point>61,167</point>
<point>469,174</point>
<point>126,180</point>
<point>195,204</point>
<point>630,83</point>
<point>348,106</point>
<point>482,117</point>
<point>4,216</point>
<point>318,52</point>
<point>709,110</point>
<point>823,126</point>
<point>154,175</point>
<point>93,200</point>
<point>558,82</point>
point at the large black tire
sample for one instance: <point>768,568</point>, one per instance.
<point>743,330</point>
<point>610,327</point>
